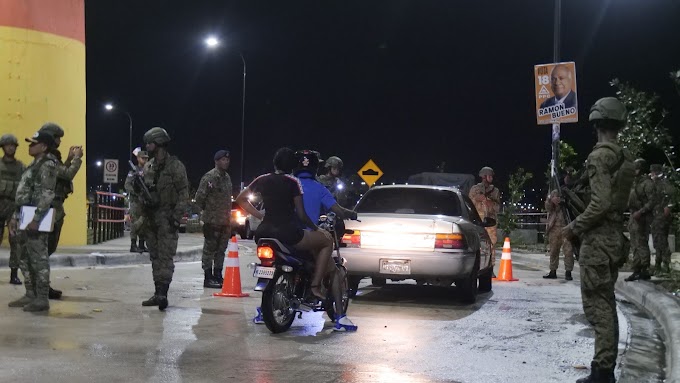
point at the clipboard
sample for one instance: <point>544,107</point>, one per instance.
<point>26,215</point>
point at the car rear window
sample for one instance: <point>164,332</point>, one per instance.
<point>410,201</point>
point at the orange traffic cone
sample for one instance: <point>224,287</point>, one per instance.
<point>231,287</point>
<point>505,270</point>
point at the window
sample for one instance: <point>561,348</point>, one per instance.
<point>410,201</point>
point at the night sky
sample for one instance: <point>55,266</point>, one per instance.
<point>406,83</point>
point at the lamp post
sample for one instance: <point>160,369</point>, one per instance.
<point>109,107</point>
<point>213,42</point>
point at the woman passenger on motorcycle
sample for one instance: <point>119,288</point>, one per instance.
<point>282,197</point>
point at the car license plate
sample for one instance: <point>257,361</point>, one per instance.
<point>395,266</point>
<point>264,272</point>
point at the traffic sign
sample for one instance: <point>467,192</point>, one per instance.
<point>370,173</point>
<point>110,171</point>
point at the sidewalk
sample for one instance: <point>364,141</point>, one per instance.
<point>114,252</point>
<point>664,307</point>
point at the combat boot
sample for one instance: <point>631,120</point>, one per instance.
<point>26,299</point>
<point>163,296</point>
<point>657,271</point>
<point>644,275</point>
<point>133,246</point>
<point>153,301</point>
<point>599,375</point>
<point>633,277</point>
<point>54,294</point>
<point>217,274</point>
<point>40,303</point>
<point>551,275</point>
<point>142,246</point>
<point>13,277</point>
<point>567,276</point>
<point>210,282</point>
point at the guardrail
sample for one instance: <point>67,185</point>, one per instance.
<point>106,217</point>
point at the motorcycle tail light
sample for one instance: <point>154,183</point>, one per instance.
<point>266,255</point>
<point>449,241</point>
<point>352,240</point>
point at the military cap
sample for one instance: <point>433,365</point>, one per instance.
<point>42,137</point>
<point>143,154</point>
<point>486,171</point>
<point>656,168</point>
<point>221,154</point>
<point>52,129</point>
<point>7,139</point>
<point>608,108</point>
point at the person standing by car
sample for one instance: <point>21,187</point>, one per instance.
<point>135,211</point>
<point>556,221</point>
<point>641,203</point>
<point>66,171</point>
<point>487,200</point>
<point>331,180</point>
<point>214,198</point>
<point>10,175</point>
<point>600,228</point>
<point>166,178</point>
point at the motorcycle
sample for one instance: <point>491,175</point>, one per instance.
<point>284,277</point>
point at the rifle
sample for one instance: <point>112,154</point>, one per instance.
<point>140,187</point>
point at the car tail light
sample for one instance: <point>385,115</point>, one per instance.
<point>352,240</point>
<point>449,241</point>
<point>237,213</point>
<point>266,255</point>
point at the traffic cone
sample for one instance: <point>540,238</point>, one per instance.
<point>231,287</point>
<point>505,270</point>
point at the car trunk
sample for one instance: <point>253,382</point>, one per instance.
<point>400,231</point>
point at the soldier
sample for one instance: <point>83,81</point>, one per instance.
<point>10,175</point>
<point>641,204</point>
<point>135,210</point>
<point>166,178</point>
<point>214,198</point>
<point>603,248</point>
<point>661,223</point>
<point>556,221</point>
<point>331,180</point>
<point>36,188</point>
<point>66,171</point>
<point>487,200</point>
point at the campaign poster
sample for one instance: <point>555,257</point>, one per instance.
<point>556,101</point>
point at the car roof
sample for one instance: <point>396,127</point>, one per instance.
<point>430,187</point>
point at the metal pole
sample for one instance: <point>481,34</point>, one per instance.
<point>556,58</point>
<point>243,122</point>
<point>130,151</point>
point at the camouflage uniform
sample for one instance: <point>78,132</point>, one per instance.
<point>135,213</point>
<point>214,198</point>
<point>331,183</point>
<point>169,187</point>
<point>603,246</point>
<point>10,175</point>
<point>487,200</point>
<point>36,188</point>
<point>661,223</point>
<point>556,222</point>
<point>642,198</point>
<point>65,174</point>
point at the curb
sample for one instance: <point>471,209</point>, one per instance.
<point>666,310</point>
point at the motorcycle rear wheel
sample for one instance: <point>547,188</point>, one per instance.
<point>330,302</point>
<point>277,313</point>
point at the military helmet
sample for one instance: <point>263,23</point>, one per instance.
<point>608,108</point>
<point>52,129</point>
<point>486,171</point>
<point>334,162</point>
<point>641,164</point>
<point>7,139</point>
<point>156,136</point>
<point>307,160</point>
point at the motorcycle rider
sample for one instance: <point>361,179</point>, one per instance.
<point>315,198</point>
<point>282,195</point>
<point>331,180</point>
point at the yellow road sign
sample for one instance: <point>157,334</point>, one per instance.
<point>370,173</point>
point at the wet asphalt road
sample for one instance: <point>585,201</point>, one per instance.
<point>532,330</point>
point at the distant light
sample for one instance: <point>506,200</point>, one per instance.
<point>251,197</point>
<point>108,106</point>
<point>98,163</point>
<point>363,183</point>
<point>212,41</point>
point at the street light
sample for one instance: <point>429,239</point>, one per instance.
<point>213,42</point>
<point>99,164</point>
<point>109,107</point>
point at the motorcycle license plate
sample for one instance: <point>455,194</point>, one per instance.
<point>264,272</point>
<point>395,266</point>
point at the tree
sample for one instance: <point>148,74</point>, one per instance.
<point>568,158</point>
<point>508,219</point>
